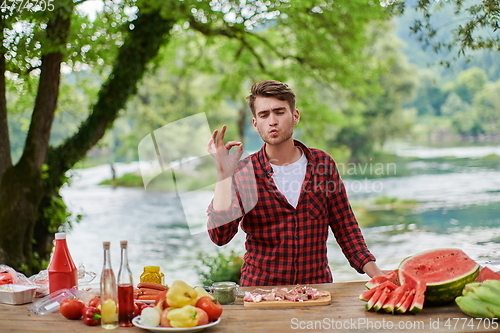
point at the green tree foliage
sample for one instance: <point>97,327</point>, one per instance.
<point>220,72</point>
<point>429,96</point>
<point>467,84</point>
<point>475,24</point>
<point>353,126</point>
<point>219,267</point>
<point>367,114</point>
<point>487,104</point>
<point>454,104</point>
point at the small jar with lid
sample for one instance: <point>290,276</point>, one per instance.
<point>152,274</point>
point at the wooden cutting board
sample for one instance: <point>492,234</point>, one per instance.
<point>325,300</point>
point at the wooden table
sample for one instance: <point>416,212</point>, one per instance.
<point>346,313</point>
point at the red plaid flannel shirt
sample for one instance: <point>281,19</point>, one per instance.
<point>287,245</point>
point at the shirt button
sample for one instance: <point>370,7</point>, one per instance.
<point>296,237</point>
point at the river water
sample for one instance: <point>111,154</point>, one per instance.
<point>459,206</point>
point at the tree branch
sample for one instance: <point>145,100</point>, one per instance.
<point>230,32</point>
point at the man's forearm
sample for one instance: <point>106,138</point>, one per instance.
<point>222,194</point>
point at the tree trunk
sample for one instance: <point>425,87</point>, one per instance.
<point>241,121</point>
<point>21,185</point>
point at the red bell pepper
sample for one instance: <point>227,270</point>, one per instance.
<point>91,316</point>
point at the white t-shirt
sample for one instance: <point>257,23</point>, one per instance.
<point>289,178</point>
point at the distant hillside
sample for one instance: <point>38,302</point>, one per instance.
<point>447,20</point>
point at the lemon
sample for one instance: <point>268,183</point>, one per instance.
<point>109,311</point>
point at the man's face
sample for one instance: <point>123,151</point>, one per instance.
<point>274,120</point>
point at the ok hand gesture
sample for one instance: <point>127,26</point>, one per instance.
<point>225,162</point>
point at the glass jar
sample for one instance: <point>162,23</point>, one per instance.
<point>152,274</point>
<point>225,292</point>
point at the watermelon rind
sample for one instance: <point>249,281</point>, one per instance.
<point>447,291</point>
<point>443,291</point>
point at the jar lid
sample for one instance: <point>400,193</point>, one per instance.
<point>152,268</point>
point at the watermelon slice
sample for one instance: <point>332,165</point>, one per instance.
<point>394,298</point>
<point>401,301</point>
<point>487,273</point>
<point>366,295</point>
<point>381,300</point>
<point>392,276</point>
<point>418,300</point>
<point>371,302</point>
<point>407,302</point>
<point>445,272</point>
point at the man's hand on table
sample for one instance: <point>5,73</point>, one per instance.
<point>371,269</point>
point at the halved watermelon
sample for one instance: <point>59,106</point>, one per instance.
<point>487,273</point>
<point>445,272</point>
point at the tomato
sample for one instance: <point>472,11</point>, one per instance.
<point>72,308</point>
<point>95,302</point>
<point>138,307</point>
<point>211,306</point>
<point>202,317</point>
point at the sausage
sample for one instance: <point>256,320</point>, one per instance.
<point>149,291</point>
<point>150,285</point>
<point>147,297</point>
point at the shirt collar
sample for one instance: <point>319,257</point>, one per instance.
<point>264,161</point>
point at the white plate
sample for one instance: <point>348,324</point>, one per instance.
<point>137,322</point>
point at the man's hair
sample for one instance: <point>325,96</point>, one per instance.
<point>271,88</point>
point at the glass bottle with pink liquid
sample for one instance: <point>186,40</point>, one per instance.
<point>125,289</point>
<point>109,313</point>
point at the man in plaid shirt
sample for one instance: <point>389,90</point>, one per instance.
<point>285,197</point>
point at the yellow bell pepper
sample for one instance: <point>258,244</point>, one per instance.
<point>187,316</point>
<point>181,294</point>
<point>202,292</point>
